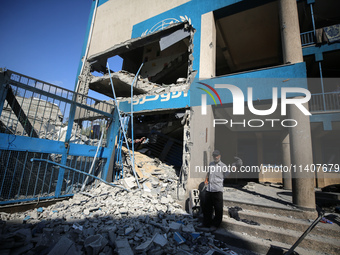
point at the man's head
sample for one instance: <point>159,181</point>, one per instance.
<point>217,156</point>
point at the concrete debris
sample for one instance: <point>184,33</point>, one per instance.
<point>123,247</point>
<point>94,244</point>
<point>175,227</point>
<point>144,246</point>
<point>160,240</point>
<point>64,246</point>
<point>109,220</point>
<point>129,183</point>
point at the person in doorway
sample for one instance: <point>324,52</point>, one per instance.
<point>216,174</point>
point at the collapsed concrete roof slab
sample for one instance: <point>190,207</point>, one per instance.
<point>122,81</point>
<point>98,61</point>
<point>85,114</point>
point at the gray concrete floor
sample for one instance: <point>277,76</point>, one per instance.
<point>259,194</point>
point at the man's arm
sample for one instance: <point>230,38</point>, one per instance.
<point>206,181</point>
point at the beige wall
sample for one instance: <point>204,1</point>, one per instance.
<point>208,46</point>
<point>115,19</point>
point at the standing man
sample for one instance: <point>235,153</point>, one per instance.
<point>216,173</point>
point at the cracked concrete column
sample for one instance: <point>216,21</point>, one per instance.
<point>290,31</point>
<point>301,159</point>
<point>286,176</point>
<point>299,136</point>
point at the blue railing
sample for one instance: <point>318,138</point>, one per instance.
<point>42,121</point>
<point>307,38</point>
<point>325,102</point>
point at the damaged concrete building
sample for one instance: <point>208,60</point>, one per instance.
<point>257,79</point>
<point>184,44</point>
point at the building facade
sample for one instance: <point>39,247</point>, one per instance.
<point>186,52</point>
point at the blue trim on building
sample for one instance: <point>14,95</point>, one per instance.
<point>193,10</point>
<point>262,81</point>
<point>326,119</point>
<point>100,2</point>
<point>171,100</point>
<point>24,143</point>
<point>320,49</point>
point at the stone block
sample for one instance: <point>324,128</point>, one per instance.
<point>63,246</point>
<point>94,244</point>
<point>144,246</point>
<point>128,230</point>
<point>160,240</point>
<point>129,183</point>
<point>175,227</point>
<point>123,247</point>
<point>188,228</point>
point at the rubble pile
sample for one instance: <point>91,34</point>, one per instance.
<point>155,177</point>
<point>112,220</point>
<point>104,220</point>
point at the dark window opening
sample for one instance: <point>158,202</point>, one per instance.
<point>329,71</point>
<point>162,67</point>
<point>247,37</point>
<point>326,13</point>
<point>160,135</point>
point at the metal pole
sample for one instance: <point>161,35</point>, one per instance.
<point>94,160</point>
<point>78,171</point>
<point>121,122</point>
<point>309,229</point>
<point>313,21</point>
<point>322,88</point>
<point>132,136</point>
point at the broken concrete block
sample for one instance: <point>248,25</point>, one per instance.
<point>128,230</point>
<point>21,249</point>
<point>94,244</point>
<point>175,227</point>
<point>77,226</point>
<point>188,228</point>
<point>123,210</point>
<point>129,183</point>
<point>112,236</point>
<point>144,246</point>
<point>63,246</point>
<point>123,247</point>
<point>88,232</point>
<point>195,235</point>
<point>160,240</point>
<point>147,186</point>
<point>164,200</point>
<point>178,238</point>
<point>171,217</point>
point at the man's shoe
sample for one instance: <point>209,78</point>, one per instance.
<point>212,229</point>
<point>202,226</point>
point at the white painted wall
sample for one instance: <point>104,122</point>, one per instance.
<point>115,19</point>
